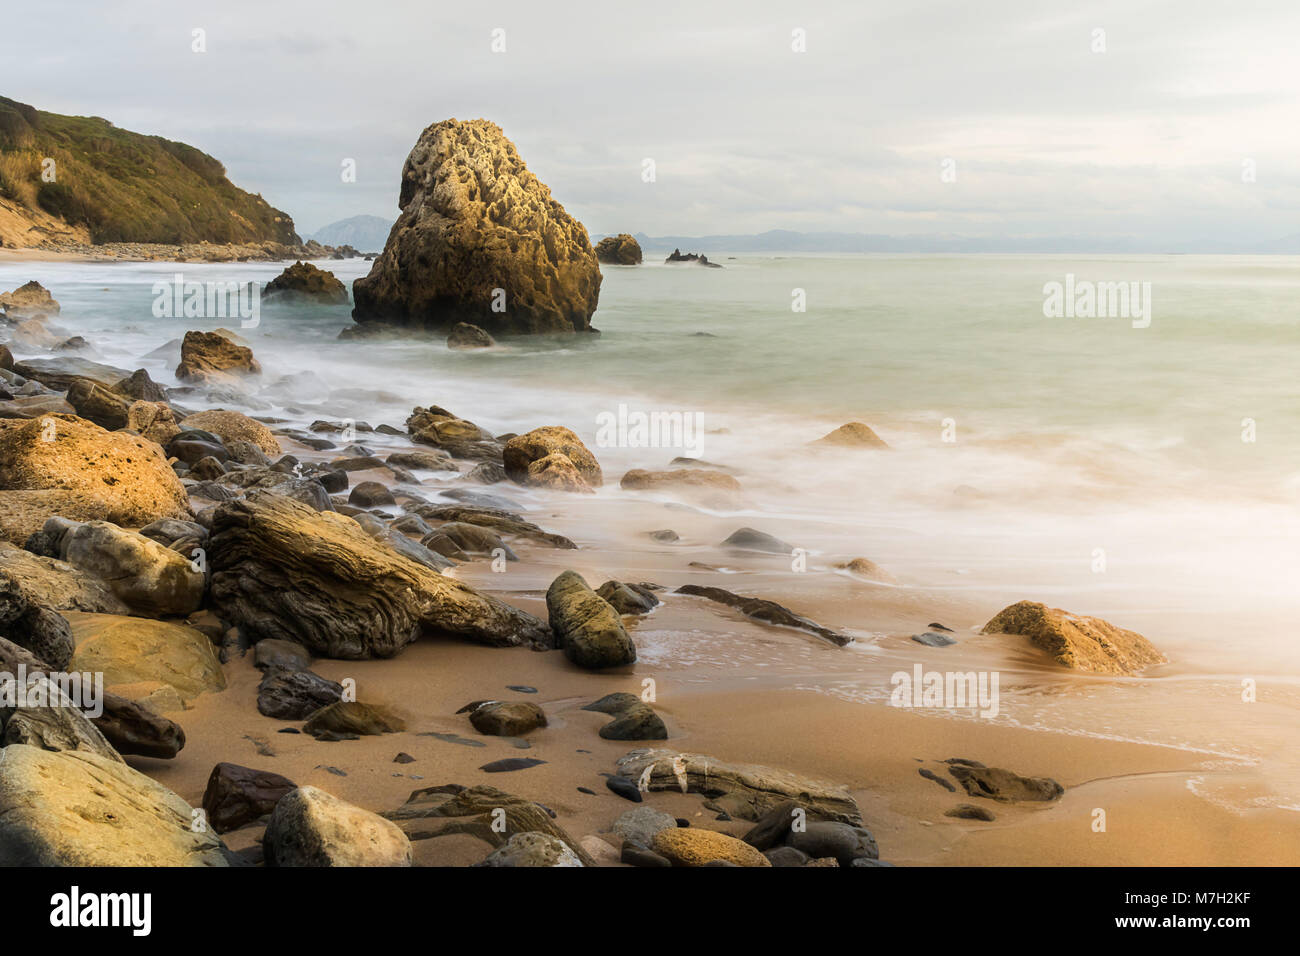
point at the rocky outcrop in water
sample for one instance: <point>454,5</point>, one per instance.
<point>304,282</point>
<point>620,250</point>
<point>691,257</point>
<point>479,240</point>
<point>1074,641</point>
<point>213,358</point>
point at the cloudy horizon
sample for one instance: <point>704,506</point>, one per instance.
<point>1176,122</point>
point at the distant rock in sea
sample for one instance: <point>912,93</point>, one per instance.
<point>699,259</point>
<point>620,250</point>
<point>481,241</point>
<point>304,282</point>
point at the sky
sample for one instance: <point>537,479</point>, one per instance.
<point>1004,118</point>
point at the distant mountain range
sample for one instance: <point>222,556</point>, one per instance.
<point>363,233</point>
<point>784,240</point>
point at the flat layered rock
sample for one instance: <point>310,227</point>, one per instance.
<point>281,570</point>
<point>744,791</point>
<point>769,612</point>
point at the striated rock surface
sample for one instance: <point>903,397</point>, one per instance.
<point>479,240</point>
<point>1081,643</point>
<point>282,570</point>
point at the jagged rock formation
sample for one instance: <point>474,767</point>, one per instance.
<point>303,282</point>
<point>1081,643</point>
<point>479,240</point>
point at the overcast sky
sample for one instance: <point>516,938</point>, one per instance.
<point>1048,138</point>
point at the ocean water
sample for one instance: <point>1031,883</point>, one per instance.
<point>1080,461</point>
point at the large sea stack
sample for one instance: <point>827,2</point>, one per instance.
<point>479,240</point>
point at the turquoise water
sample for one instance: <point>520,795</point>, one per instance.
<point>1071,435</point>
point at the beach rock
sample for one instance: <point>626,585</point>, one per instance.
<point>459,438</point>
<point>640,824</point>
<point>586,628</point>
<point>499,718</point>
<point>933,639</point>
<point>136,650</point>
<point>212,358</point>
<point>628,598</point>
<point>97,404</point>
<point>479,240</point>
<point>633,718</point>
<point>466,539</point>
<point>32,625</point>
<point>1006,786</point>
<point>1081,643</point>
<point>294,694</point>
<point>532,849</point>
<point>422,460</point>
<point>134,730</point>
<point>304,282</point>
<point>499,520</point>
<point>371,494</point>
<point>692,480</point>
<point>153,420</point>
<point>665,535</point>
<point>82,472</point>
<point>60,372</point>
<point>35,406</point>
<point>840,841</point>
<point>748,539</point>
<point>466,336</point>
<point>696,847</point>
<point>191,445</point>
<point>53,583</point>
<point>967,811</point>
<point>29,299</point>
<point>73,808</point>
<point>148,577</point>
<point>487,473</point>
<point>634,854</point>
<point>237,796</point>
<point>852,435</point>
<point>522,451</point>
<point>492,815</point>
<point>280,570</point>
<point>206,469</point>
<point>558,473</point>
<point>34,333</point>
<point>769,612</point>
<point>744,791</point>
<point>139,387</point>
<point>624,788</point>
<point>6,359</point>
<point>234,426</point>
<point>352,717</point>
<point>620,250</point>
<point>864,568</point>
<point>310,827</point>
<point>787,856</point>
<point>51,720</point>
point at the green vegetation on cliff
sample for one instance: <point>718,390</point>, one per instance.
<point>124,186</point>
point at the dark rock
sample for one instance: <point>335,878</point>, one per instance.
<point>237,796</point>
<point>352,717</point>
<point>371,494</point>
<point>749,539</point>
<point>769,612</point>
<point>294,694</point>
<point>466,336</point>
<point>628,598</point>
<point>304,282</point>
<point>624,788</point>
<point>511,763</point>
<point>967,811</point>
<point>995,783</point>
<point>498,718</point>
<point>933,639</point>
<point>136,731</point>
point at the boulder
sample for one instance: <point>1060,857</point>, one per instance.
<point>136,650</point>
<point>522,451</point>
<point>213,359</point>
<point>423,460</point>
<point>310,827</point>
<point>457,437</point>
<point>692,846</point>
<point>73,808</point>
<point>281,655</point>
<point>32,625</point>
<point>864,568</point>
<point>294,694</point>
<point>148,577</point>
<point>498,519</point>
<point>60,373</point>
<point>628,598</point>
<point>532,849</point>
<point>234,426</point>
<point>479,240</point>
<point>467,539</point>
<point>586,628</point>
<point>466,336</point>
<point>237,796</point>
<point>499,718</point>
<point>135,730</point>
<point>749,539</point>
<point>634,719</point>
<point>692,480</point>
<point>744,791</point>
<point>1081,643</point>
<point>558,473</point>
<point>346,717</point>
<point>852,435</point>
<point>50,720</point>
<point>55,584</point>
<point>371,494</point>
<point>65,465</point>
<point>153,420</point>
<point>1005,786</point>
<point>620,250</point>
<point>29,299</point>
<point>97,404</point>
<point>304,282</point>
<point>139,387</point>
<point>281,570</point>
<point>640,824</point>
<point>842,842</point>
